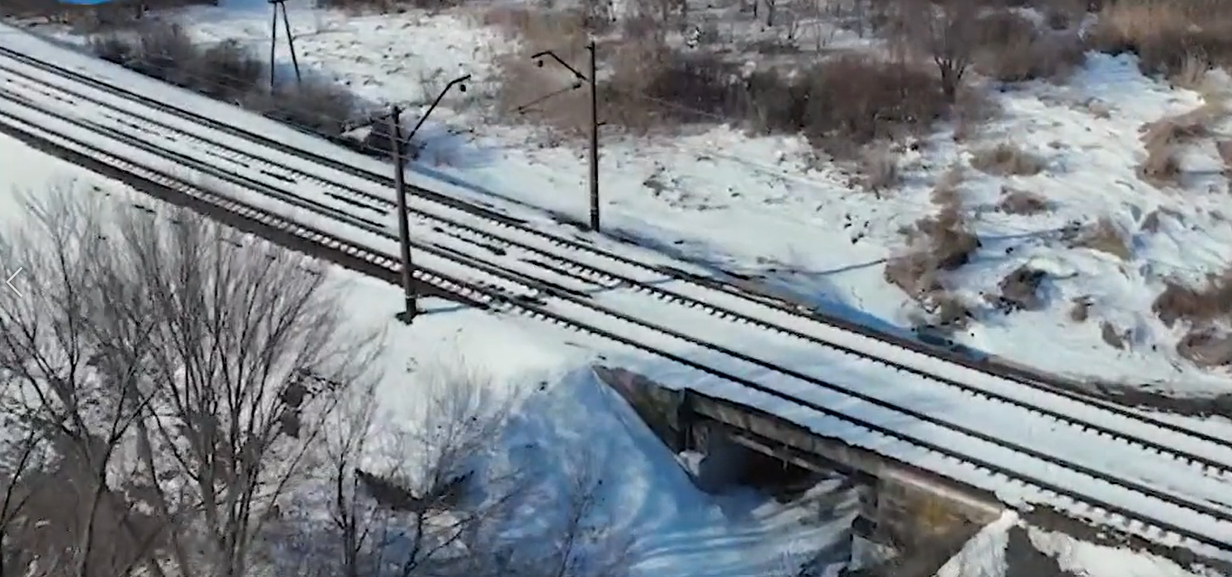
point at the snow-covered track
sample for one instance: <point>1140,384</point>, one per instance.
<point>970,454</point>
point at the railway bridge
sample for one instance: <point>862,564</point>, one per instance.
<point>916,518</point>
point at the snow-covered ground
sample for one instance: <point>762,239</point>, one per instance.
<point>789,220</point>
<point>766,207</point>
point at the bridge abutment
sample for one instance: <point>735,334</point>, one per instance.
<point>909,518</point>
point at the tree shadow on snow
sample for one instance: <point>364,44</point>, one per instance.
<point>580,426</point>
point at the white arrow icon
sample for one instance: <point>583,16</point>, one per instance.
<point>9,281</point>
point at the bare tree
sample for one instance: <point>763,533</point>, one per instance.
<point>23,454</point>
<point>248,357</point>
<point>48,349</point>
<point>189,369</point>
<point>948,32</point>
<point>415,496</point>
<point>579,545</point>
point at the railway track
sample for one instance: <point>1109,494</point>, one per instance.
<point>372,194</point>
<point>468,221</point>
<point>538,280</point>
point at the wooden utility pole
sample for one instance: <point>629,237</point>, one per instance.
<point>397,149</point>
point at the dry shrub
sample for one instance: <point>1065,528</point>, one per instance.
<point>160,51</point>
<point>1206,303</point>
<point>1019,290</point>
<point>1006,159</point>
<point>865,99</point>
<point>227,71</point>
<point>525,86</point>
<point>938,244</point>
<point>1114,338</point>
<point>1104,236</point>
<point>1043,58</point>
<point>1206,308</point>
<point>840,104</point>
<point>972,110</point>
<point>318,106</point>
<point>1207,346</point>
<point>92,18</point>
<point>1165,33</point>
<point>879,168</point>
<point>563,31</point>
<point>1012,49</point>
<point>1017,201</point>
<point>1164,138</point>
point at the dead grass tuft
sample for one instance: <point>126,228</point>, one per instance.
<point>1224,148</point>
<point>1113,337</point>
<point>879,168</point>
<point>1165,34</point>
<point>1199,305</point>
<point>1006,159</point>
<point>229,72</point>
<point>937,244</point>
<point>1164,139</point>
<point>1025,202</point>
<point>1206,308</point>
<point>1019,290</point>
<point>841,103</point>
<point>1104,236</point>
<point>1012,49</point>
<point>945,191</point>
<point>1081,309</point>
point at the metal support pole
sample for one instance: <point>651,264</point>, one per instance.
<point>273,39</point>
<point>410,307</point>
<point>286,23</point>
<point>592,80</point>
<point>594,138</point>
